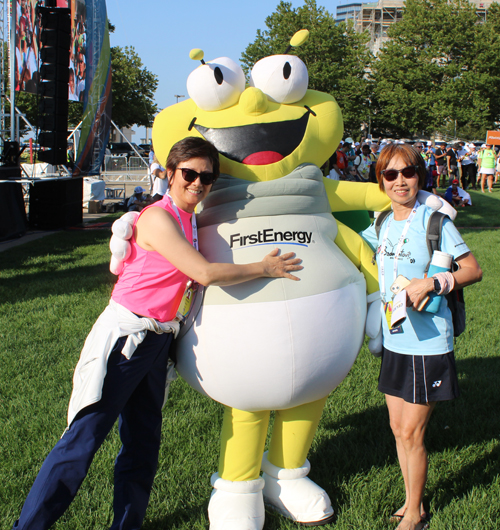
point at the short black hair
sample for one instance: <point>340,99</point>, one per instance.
<point>193,147</point>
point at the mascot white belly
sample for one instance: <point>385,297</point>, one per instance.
<point>274,344</point>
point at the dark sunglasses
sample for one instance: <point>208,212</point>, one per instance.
<point>190,175</point>
<point>408,172</point>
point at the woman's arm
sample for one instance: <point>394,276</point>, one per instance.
<point>469,272</point>
<point>156,230</point>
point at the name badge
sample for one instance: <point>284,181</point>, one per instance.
<point>186,301</point>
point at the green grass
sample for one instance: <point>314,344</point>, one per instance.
<point>52,290</point>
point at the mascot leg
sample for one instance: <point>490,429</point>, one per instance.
<point>285,466</point>
<point>237,502</point>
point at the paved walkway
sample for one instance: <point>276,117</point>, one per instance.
<point>32,235</point>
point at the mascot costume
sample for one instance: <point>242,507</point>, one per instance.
<point>271,344</point>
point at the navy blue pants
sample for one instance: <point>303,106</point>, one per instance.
<point>133,391</point>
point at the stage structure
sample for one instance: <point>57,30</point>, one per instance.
<point>60,51</point>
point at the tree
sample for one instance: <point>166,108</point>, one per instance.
<point>133,91</point>
<point>439,71</point>
<point>335,55</point>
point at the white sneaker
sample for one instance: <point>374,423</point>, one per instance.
<point>236,505</point>
<point>291,493</point>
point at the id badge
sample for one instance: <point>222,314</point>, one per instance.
<point>186,301</point>
<point>388,316</point>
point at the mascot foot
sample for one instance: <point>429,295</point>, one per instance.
<point>236,505</point>
<point>291,493</point>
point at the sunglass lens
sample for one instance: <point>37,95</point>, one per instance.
<point>207,178</point>
<point>408,172</point>
<point>391,174</point>
<point>189,175</point>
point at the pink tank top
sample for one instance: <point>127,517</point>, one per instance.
<point>149,284</point>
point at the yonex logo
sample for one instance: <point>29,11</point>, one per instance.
<point>437,384</point>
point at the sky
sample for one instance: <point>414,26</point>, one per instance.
<point>163,33</point>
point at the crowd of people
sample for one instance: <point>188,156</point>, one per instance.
<point>471,166</point>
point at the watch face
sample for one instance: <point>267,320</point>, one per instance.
<point>437,285</point>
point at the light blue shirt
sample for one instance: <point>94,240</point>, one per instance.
<point>422,333</point>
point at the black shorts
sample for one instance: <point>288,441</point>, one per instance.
<point>418,378</point>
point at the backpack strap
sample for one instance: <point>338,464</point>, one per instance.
<point>433,233</point>
<point>379,220</point>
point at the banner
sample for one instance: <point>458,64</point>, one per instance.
<point>27,48</point>
<point>97,94</point>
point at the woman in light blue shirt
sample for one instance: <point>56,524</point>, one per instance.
<point>418,365</point>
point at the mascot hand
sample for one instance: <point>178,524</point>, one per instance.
<point>119,245</point>
<point>373,327</point>
<point>436,203</point>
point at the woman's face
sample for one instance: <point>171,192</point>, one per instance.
<point>402,191</point>
<point>188,194</point>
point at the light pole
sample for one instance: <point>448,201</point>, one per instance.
<point>177,96</point>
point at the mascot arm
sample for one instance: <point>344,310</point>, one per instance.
<point>358,251</point>
<point>345,196</point>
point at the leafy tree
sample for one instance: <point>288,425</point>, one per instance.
<point>335,55</point>
<point>439,71</point>
<point>133,91</point>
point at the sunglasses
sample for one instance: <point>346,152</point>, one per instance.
<point>190,175</point>
<point>408,172</point>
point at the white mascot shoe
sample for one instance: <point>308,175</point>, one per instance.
<point>291,493</point>
<point>236,505</point>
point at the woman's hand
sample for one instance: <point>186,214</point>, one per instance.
<point>279,266</point>
<point>417,290</point>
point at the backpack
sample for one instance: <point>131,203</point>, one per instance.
<point>455,299</point>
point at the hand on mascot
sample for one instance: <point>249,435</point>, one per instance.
<point>279,266</point>
<point>373,327</point>
<point>119,245</point>
<point>436,203</point>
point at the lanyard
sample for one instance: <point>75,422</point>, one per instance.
<point>193,222</point>
<point>401,241</point>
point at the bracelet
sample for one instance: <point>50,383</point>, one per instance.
<point>446,281</point>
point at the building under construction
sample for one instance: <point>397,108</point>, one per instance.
<point>377,18</point>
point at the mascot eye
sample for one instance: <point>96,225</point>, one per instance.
<point>283,78</point>
<point>216,85</point>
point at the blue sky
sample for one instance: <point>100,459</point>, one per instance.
<point>163,32</point>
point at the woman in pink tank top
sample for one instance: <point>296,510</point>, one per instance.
<point>123,366</point>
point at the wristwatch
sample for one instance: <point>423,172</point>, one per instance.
<point>437,285</point>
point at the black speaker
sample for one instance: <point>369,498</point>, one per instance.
<point>12,213</point>
<point>55,38</point>
<point>56,203</point>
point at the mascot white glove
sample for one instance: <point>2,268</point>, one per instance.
<point>436,203</point>
<point>119,243</point>
<point>373,326</point>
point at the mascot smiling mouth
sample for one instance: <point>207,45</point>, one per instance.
<point>244,144</point>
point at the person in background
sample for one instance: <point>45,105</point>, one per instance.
<point>456,196</point>
<point>451,162</point>
<point>486,166</point>
<point>122,371</point>
<point>349,151</point>
<point>363,162</point>
<point>159,176</point>
<point>137,202</point>
<point>418,364</point>
<point>467,157</point>
<point>441,166</point>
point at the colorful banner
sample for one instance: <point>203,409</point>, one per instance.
<point>27,64</point>
<point>97,95</point>
<point>26,52</point>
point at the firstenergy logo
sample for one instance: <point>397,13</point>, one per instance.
<point>269,237</point>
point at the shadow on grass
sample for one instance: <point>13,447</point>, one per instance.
<point>61,263</point>
<point>363,441</point>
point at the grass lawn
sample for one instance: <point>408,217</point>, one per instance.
<point>53,289</point>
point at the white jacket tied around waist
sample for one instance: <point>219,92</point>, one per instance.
<point>114,322</point>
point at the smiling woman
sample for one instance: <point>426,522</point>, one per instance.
<point>418,364</point>
<point>122,369</point>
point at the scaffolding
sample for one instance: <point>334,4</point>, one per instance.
<point>377,18</point>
